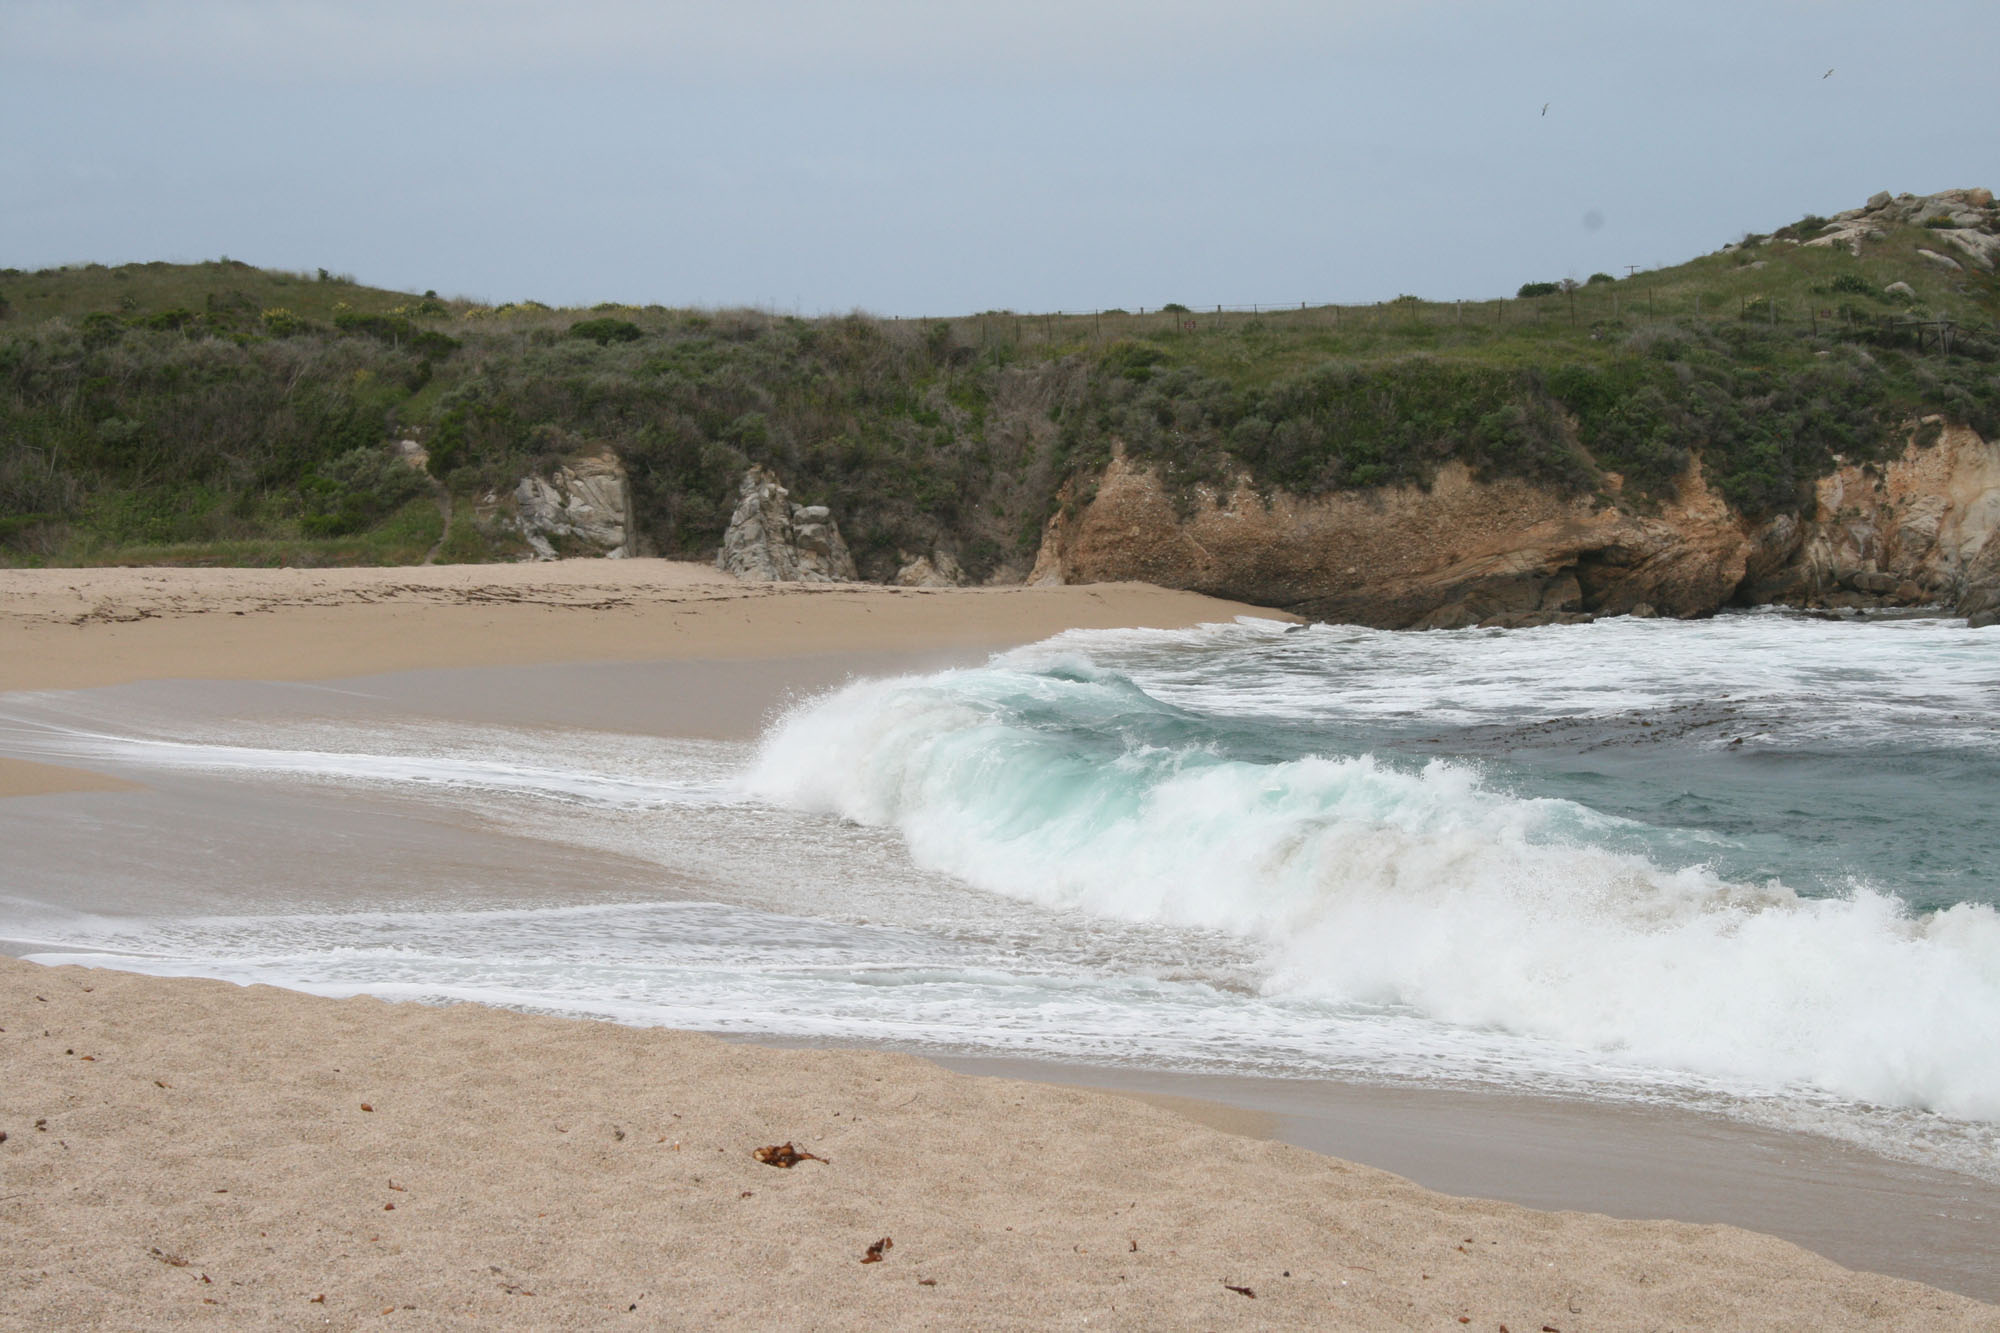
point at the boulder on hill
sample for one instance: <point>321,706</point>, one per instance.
<point>1969,213</point>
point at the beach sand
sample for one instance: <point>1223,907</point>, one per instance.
<point>75,628</point>
<point>184,1150</point>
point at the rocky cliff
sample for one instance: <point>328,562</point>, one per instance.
<point>1919,530</point>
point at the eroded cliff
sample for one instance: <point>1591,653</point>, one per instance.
<point>1918,530</point>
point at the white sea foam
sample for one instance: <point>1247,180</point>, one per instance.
<point>1810,681</point>
<point>1418,889</point>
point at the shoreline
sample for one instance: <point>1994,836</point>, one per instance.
<point>689,652</point>
<point>1626,1160</point>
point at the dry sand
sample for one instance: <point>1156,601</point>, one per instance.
<point>192,1151</point>
<point>74,628</point>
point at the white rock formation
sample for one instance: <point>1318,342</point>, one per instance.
<point>584,508</point>
<point>770,539</point>
<point>1969,211</point>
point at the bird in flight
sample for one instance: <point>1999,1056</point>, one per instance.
<point>1545,108</point>
<point>1827,75</point>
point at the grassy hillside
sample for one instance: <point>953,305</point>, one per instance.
<point>225,414</point>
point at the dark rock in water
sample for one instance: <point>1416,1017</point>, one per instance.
<point>1983,619</point>
<point>1535,619</point>
<point>1871,581</point>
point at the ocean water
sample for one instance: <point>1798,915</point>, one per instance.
<point>1749,865</point>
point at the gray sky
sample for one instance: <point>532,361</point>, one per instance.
<point>943,157</point>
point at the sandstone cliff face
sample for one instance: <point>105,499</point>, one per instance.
<point>1910,531</point>
<point>1467,552</point>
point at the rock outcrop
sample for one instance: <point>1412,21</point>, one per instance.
<point>1917,531</point>
<point>583,508</point>
<point>936,570</point>
<point>773,540</point>
<point>1965,219</point>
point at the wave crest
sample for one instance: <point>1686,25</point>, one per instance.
<point>1422,890</point>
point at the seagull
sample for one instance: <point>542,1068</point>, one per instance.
<point>1827,75</point>
<point>1545,108</point>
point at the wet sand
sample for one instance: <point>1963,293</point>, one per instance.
<point>1855,1207</point>
<point>25,777</point>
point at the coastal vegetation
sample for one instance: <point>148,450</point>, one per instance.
<point>219,413</point>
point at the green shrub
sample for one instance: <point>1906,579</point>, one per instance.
<point>282,323</point>
<point>606,331</point>
<point>1538,289</point>
<point>355,491</point>
<point>1174,308</point>
<point>167,321</point>
<point>1596,278</point>
<point>397,331</point>
<point>101,329</point>
<point>1133,360</point>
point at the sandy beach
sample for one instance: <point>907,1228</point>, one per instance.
<point>191,1151</point>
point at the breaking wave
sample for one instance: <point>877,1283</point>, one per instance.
<point>1419,888</point>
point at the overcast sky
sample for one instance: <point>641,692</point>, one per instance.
<point>941,157</point>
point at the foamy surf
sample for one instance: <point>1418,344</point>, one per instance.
<point>1418,888</point>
